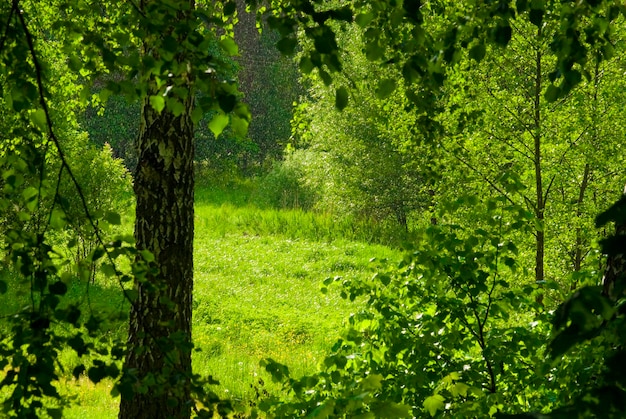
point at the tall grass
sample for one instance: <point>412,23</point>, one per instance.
<point>226,218</point>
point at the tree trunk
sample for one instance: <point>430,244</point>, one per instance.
<point>157,369</point>
<point>579,254</point>
<point>540,203</point>
<point>160,319</point>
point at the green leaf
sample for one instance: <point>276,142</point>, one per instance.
<point>385,88</point>
<point>536,17</point>
<point>147,255</point>
<point>131,295</point>
<point>96,373</point>
<point>326,78</point>
<point>372,382</point>
<point>364,19</point>
<point>306,65</point>
<point>325,42</point>
<point>58,218</point>
<point>373,51</point>
<point>31,195</point>
<point>197,114</point>
<point>96,254</point>
<point>434,403</point>
<point>3,287</point>
<point>459,389</point>
<point>39,119</point>
<point>157,102</point>
<point>502,34</point>
<point>77,371</point>
<point>239,126</point>
<point>108,269</point>
<point>230,8</point>
<point>218,123</point>
<point>54,412</point>
<point>175,106</point>
<point>113,218</point>
<point>78,344</point>
<point>393,410</point>
<point>227,102</point>
<point>341,98</point>
<point>230,46</point>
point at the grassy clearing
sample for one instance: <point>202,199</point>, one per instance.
<point>257,280</point>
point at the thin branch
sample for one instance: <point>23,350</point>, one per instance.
<point>511,144</point>
<point>526,127</point>
<point>485,178</point>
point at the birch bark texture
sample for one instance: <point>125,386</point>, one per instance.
<point>158,362</point>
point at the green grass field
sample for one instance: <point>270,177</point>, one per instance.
<point>256,295</point>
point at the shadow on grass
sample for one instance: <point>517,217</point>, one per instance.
<point>101,299</point>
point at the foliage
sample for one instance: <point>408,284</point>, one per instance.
<point>32,340</point>
<point>108,198</point>
<point>355,157</point>
<point>284,186</point>
<point>451,303</point>
<point>451,330</point>
<point>595,315</point>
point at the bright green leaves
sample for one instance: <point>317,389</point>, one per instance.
<point>39,119</point>
<point>434,403</point>
<point>232,112</point>
<point>157,102</point>
<point>218,123</point>
<point>230,46</point>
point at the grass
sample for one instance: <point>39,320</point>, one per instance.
<point>256,295</point>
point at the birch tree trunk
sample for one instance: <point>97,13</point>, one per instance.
<point>158,362</point>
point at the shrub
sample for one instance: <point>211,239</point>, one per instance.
<point>106,186</point>
<point>284,186</point>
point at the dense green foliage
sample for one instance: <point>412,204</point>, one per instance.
<point>486,135</point>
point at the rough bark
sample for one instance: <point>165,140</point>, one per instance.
<point>161,315</point>
<point>158,362</point>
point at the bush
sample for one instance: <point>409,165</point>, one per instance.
<point>106,186</point>
<point>284,186</point>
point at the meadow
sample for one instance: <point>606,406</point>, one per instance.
<point>258,274</point>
